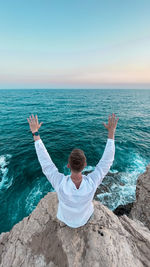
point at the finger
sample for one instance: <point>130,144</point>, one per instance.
<point>117,119</point>
<point>113,117</point>
<point>116,122</point>
<point>109,119</point>
<point>40,124</point>
<point>36,118</point>
<point>33,118</point>
<point>30,119</point>
<point>105,125</point>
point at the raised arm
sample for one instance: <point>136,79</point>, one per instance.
<point>107,159</point>
<point>48,167</point>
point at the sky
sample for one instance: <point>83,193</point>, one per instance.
<point>75,44</point>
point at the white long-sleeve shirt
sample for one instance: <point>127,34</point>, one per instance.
<point>75,205</point>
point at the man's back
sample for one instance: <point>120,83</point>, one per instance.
<point>75,205</point>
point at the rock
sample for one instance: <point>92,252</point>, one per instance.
<point>106,240</point>
<point>141,207</point>
<point>123,209</point>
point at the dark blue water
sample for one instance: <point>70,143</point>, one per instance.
<point>71,118</point>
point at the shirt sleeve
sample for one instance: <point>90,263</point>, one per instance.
<point>48,167</point>
<point>104,164</point>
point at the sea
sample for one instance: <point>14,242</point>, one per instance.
<point>72,118</point>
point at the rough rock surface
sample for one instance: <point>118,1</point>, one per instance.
<point>105,241</point>
<point>141,207</point>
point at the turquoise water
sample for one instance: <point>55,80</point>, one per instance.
<point>71,118</point>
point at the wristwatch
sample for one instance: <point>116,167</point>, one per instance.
<point>35,133</point>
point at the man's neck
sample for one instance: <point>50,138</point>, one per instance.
<point>76,177</point>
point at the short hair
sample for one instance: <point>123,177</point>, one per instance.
<point>77,160</point>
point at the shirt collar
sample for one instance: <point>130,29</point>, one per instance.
<point>74,186</point>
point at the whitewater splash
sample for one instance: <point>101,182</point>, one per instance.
<point>119,188</point>
<point>5,181</point>
<point>34,196</point>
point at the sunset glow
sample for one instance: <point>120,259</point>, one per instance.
<point>75,44</point>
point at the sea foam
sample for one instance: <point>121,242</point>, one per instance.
<point>121,186</point>
<point>5,180</point>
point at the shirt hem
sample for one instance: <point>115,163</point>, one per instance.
<point>72,226</point>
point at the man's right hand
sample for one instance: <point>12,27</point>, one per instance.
<point>111,126</point>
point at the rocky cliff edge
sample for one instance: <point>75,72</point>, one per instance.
<point>106,240</point>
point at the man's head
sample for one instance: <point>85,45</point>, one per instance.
<point>76,160</point>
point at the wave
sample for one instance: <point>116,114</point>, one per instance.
<point>121,186</point>
<point>5,181</point>
<point>33,197</point>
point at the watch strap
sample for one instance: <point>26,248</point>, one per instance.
<point>35,133</point>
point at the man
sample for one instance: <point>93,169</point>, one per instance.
<point>75,191</point>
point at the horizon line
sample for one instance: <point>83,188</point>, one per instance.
<point>74,88</point>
